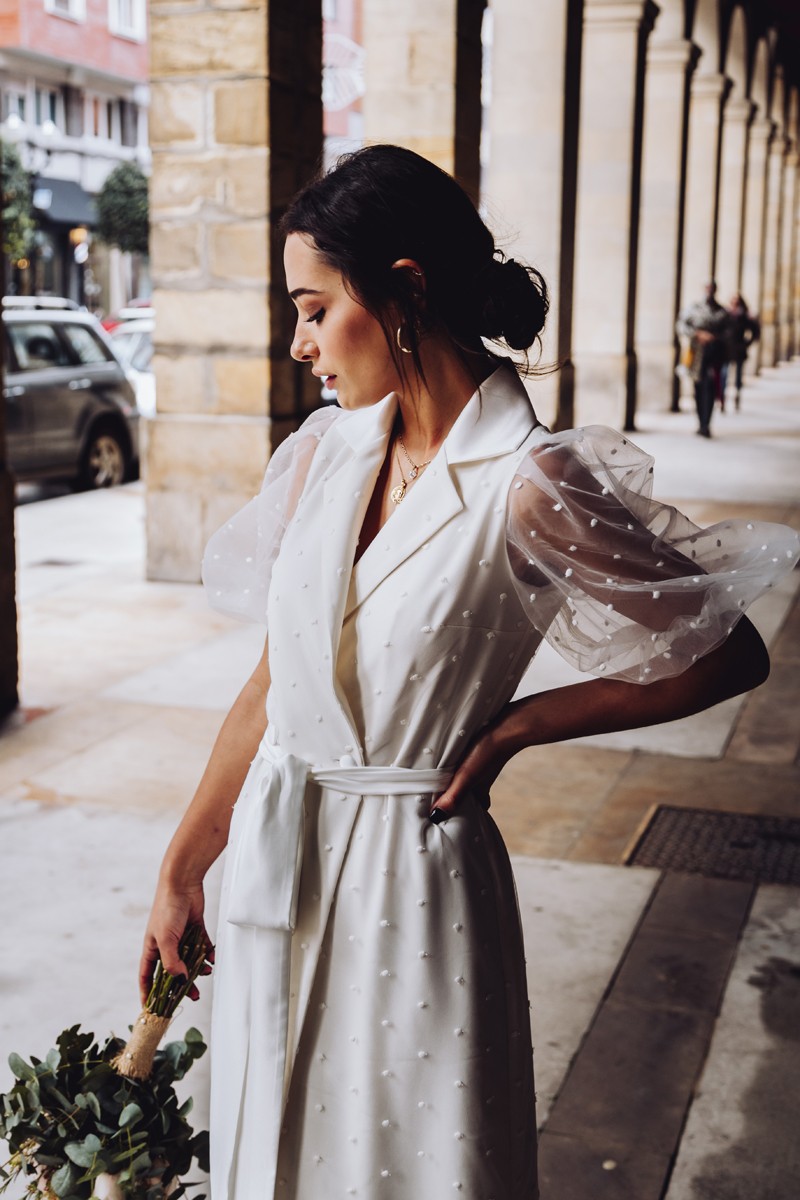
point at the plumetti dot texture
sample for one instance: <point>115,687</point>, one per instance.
<point>408,1028</point>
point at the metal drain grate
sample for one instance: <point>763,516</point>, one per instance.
<point>720,844</point>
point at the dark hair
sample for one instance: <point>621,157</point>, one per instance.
<point>384,203</point>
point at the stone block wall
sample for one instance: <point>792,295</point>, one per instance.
<point>236,127</point>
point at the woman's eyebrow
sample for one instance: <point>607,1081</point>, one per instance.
<point>303,292</point>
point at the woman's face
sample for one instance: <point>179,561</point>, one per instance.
<point>343,343</point>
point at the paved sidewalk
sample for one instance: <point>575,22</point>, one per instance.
<point>124,684</point>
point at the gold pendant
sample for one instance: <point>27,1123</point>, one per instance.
<point>397,493</point>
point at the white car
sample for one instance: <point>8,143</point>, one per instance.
<point>133,345</point>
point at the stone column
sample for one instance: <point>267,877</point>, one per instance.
<point>796,273</point>
<point>529,183</point>
<point>708,94</point>
<point>773,221</point>
<point>609,175</point>
<point>236,127</point>
<point>737,118</point>
<point>9,665</point>
<point>786,343</point>
<point>423,80</point>
<point>751,284</point>
<point>669,68</point>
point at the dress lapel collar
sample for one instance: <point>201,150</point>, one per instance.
<point>349,481</point>
<point>495,421</point>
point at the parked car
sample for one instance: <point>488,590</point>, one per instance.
<point>133,346</point>
<point>70,408</point>
<point>140,307</point>
<point>41,302</point>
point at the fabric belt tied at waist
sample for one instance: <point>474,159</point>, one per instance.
<point>265,876</point>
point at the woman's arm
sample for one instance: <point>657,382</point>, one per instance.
<point>606,705</point>
<point>202,834</point>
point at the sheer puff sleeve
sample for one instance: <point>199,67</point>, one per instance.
<point>237,564</point>
<point>620,584</point>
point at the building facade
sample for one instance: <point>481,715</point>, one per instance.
<point>73,99</point>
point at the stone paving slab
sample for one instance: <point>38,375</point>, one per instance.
<point>628,1090</point>
<point>741,1139</point>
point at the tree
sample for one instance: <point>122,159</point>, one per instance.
<point>122,209</point>
<point>17,223</point>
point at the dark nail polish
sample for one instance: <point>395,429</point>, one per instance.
<point>437,815</point>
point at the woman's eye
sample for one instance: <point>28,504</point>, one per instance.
<point>317,317</point>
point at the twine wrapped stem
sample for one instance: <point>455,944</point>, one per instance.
<point>136,1060</point>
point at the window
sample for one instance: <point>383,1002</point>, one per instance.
<point>37,346</point>
<point>73,10</point>
<point>86,344</point>
<point>47,106</point>
<point>102,117</point>
<point>128,18</point>
<point>112,120</point>
<point>14,103</point>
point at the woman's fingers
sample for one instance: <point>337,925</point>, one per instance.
<point>173,912</point>
<point>476,774</point>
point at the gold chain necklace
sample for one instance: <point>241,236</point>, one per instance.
<point>398,493</point>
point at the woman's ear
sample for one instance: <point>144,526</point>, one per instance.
<point>415,274</point>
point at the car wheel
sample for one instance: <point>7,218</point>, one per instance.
<point>105,460</point>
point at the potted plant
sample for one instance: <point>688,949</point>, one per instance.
<point>105,1121</point>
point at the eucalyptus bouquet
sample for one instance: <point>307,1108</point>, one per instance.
<point>104,1121</point>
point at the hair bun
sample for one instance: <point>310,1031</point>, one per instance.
<point>515,303</point>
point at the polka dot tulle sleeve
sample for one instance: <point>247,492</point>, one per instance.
<point>238,561</point>
<point>618,583</point>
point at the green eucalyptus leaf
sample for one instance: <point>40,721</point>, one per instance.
<point>130,1114</point>
<point>63,1180</point>
<point>53,1059</point>
<point>92,1103</point>
<point>79,1154</point>
<point>141,1161</point>
<point>21,1069</point>
<point>49,1160</point>
<point>52,1092</point>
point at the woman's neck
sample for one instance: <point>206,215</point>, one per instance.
<point>429,408</point>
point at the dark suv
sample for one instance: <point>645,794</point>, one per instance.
<point>70,410</point>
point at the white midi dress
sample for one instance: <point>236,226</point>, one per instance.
<point>371,1032</point>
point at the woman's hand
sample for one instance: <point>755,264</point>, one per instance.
<point>476,773</point>
<point>174,909</point>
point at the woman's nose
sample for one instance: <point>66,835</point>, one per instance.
<point>302,349</point>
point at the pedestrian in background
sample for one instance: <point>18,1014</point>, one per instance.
<point>706,326</point>
<point>744,330</point>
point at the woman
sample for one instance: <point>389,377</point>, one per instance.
<point>744,331</point>
<point>371,1034</point>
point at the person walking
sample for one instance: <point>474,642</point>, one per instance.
<point>744,330</point>
<point>408,553</point>
<point>706,326</point>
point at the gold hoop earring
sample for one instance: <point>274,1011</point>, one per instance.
<point>397,338</point>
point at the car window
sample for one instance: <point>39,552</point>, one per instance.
<point>37,345</point>
<point>86,344</point>
<point>142,356</point>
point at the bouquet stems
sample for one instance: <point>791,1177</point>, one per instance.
<point>135,1061</point>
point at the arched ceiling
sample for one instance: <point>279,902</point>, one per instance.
<point>784,16</point>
